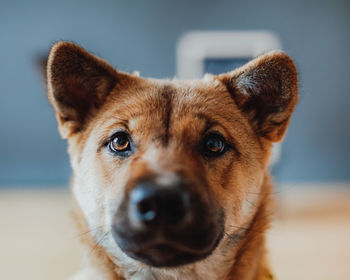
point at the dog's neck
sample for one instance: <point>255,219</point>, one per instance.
<point>243,260</point>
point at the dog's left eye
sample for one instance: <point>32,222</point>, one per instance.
<point>120,144</point>
<point>213,145</point>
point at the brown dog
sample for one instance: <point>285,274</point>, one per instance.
<point>170,177</point>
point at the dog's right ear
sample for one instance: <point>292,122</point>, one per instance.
<point>78,83</point>
<point>266,91</point>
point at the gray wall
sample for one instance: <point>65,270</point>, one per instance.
<point>142,35</point>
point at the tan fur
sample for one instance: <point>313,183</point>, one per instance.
<point>250,107</point>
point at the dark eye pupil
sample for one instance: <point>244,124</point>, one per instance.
<point>120,142</point>
<point>215,144</point>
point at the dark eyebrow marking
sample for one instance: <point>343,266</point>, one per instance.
<point>208,121</point>
<point>124,123</point>
<point>167,95</point>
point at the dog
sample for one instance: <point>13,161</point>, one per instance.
<point>170,177</point>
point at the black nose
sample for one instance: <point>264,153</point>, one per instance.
<point>151,204</point>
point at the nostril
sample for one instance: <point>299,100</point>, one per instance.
<point>143,204</point>
<point>147,209</point>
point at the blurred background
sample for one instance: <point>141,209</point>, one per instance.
<point>312,173</point>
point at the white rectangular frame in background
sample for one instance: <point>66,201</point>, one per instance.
<point>195,47</point>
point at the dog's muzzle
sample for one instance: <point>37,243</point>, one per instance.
<point>166,226</point>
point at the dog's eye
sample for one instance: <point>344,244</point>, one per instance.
<point>120,144</point>
<point>213,145</point>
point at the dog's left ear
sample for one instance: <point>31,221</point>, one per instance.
<point>266,91</point>
<point>78,84</point>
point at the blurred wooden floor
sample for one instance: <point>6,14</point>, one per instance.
<point>310,238</point>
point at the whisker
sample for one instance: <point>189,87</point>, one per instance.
<point>251,203</point>
<point>251,230</point>
<point>282,190</point>
<point>98,243</point>
<point>86,232</point>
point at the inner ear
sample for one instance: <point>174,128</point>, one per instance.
<point>266,91</point>
<point>78,83</point>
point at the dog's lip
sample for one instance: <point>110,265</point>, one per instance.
<point>167,244</point>
<point>166,255</point>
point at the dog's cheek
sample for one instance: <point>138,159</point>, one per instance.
<point>88,185</point>
<point>89,197</point>
<point>250,198</point>
<point>83,186</point>
<point>240,198</point>
<point>114,192</point>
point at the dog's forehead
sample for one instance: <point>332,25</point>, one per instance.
<point>159,108</point>
<point>153,98</point>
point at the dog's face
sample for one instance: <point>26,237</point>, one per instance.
<point>165,171</point>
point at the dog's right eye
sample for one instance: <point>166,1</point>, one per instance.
<point>121,144</point>
<point>213,145</point>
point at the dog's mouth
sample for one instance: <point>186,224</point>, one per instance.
<point>166,253</point>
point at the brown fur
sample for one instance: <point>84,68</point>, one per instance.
<point>251,107</point>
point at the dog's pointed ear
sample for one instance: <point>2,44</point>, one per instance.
<point>266,91</point>
<point>78,83</point>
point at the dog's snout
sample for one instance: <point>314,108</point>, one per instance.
<point>167,223</point>
<point>154,205</point>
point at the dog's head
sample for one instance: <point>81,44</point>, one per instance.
<point>165,169</point>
